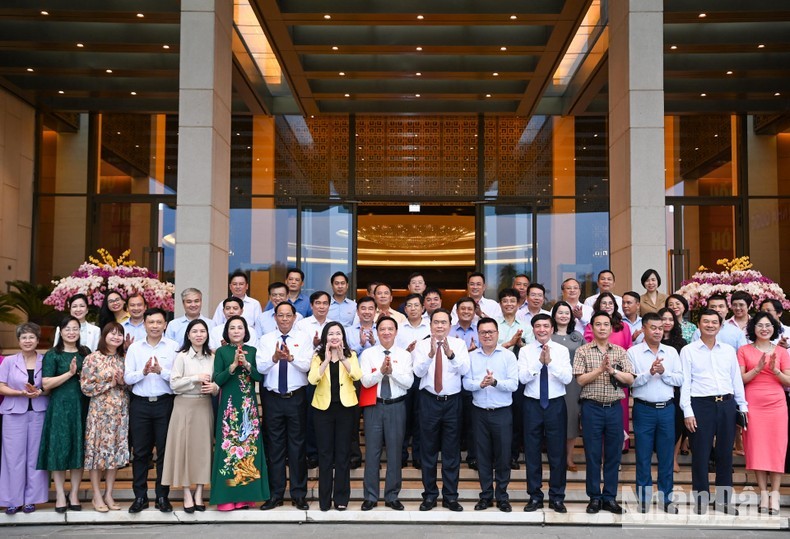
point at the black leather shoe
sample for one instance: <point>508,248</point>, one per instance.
<point>472,464</point>
<point>355,463</point>
<point>452,505</point>
<point>301,504</point>
<point>271,504</point>
<point>427,505</point>
<point>504,506</point>
<point>671,509</point>
<point>594,506</point>
<point>201,508</point>
<point>367,505</point>
<point>163,504</point>
<point>59,510</point>
<point>558,506</point>
<point>533,505</point>
<point>726,508</point>
<point>395,504</point>
<point>417,464</point>
<point>482,505</point>
<point>514,464</point>
<point>138,505</point>
<point>75,507</point>
<point>311,463</point>
<point>613,507</point>
<point>189,510</point>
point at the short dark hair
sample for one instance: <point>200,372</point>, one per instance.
<point>465,299</point>
<point>711,312</point>
<point>432,291</point>
<point>574,279</point>
<point>187,344</point>
<point>751,326</point>
<point>606,271</point>
<point>317,295</point>
<point>543,316</point>
<point>382,284</point>
<point>524,275</point>
<point>487,320</point>
<point>152,311</point>
<point>239,273</point>
<point>84,298</point>
<point>414,296</point>
<point>365,299</point>
<point>385,319</point>
<point>232,299</point>
<point>598,314</point>
<point>106,330</point>
<point>742,295</point>
<point>650,316</point>
<point>293,309</point>
<point>717,297</point>
<point>634,295</point>
<point>646,275</point>
<point>137,295</point>
<point>295,270</point>
<point>508,293</point>
<point>416,274</point>
<point>275,285</point>
<point>538,286</point>
<point>227,325</point>
<point>321,350</point>
<point>337,274</point>
<point>681,299</point>
<point>441,310</point>
<point>475,274</point>
<point>778,307</point>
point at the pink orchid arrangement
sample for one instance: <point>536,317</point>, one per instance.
<point>96,277</point>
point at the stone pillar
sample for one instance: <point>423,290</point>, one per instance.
<point>204,121</point>
<point>636,142</point>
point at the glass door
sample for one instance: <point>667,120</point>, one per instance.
<point>326,243</point>
<point>507,247</point>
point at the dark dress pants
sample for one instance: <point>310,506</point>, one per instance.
<point>412,423</point>
<point>285,419</point>
<point>467,426</point>
<point>333,428</point>
<point>654,428</point>
<point>551,424</point>
<point>493,430</point>
<point>148,422</point>
<point>714,420</point>
<point>518,422</point>
<point>602,428</point>
<point>440,420</point>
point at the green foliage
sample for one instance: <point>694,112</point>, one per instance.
<point>7,311</point>
<point>29,298</point>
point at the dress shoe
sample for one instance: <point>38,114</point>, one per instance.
<point>189,510</point>
<point>472,464</point>
<point>311,463</point>
<point>12,510</point>
<point>30,508</point>
<point>533,505</point>
<point>75,507</point>
<point>671,509</point>
<point>340,507</point>
<point>558,506</point>
<point>416,464</point>
<point>594,506</point>
<point>271,503</point>
<point>355,463</point>
<point>452,505</point>
<point>613,507</point>
<point>482,505</point>
<point>100,507</point>
<point>726,508</point>
<point>202,507</point>
<point>367,505</point>
<point>301,504</point>
<point>394,504</point>
<point>59,510</point>
<point>427,505</point>
<point>138,505</point>
<point>514,464</point>
<point>163,504</point>
<point>504,506</point>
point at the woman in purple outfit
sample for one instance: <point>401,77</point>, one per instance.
<point>24,407</point>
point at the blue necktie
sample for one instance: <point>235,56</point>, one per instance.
<point>282,383</point>
<point>544,386</point>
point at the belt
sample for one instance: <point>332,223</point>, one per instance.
<point>391,401</point>
<point>601,404</point>
<point>440,398</point>
<point>715,398</point>
<point>153,399</point>
<point>550,400</point>
<point>492,409</point>
<point>286,395</point>
<point>657,405</point>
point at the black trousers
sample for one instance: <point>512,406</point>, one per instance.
<point>286,421</point>
<point>493,431</point>
<point>467,426</point>
<point>518,422</point>
<point>148,422</point>
<point>441,431</point>
<point>714,420</point>
<point>333,428</point>
<point>412,423</point>
<point>551,424</point>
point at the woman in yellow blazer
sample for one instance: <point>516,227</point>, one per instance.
<point>334,370</point>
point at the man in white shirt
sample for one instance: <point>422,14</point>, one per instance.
<point>711,395</point>
<point>134,326</point>
<point>383,296</point>
<point>520,284</point>
<point>147,371</point>
<point>631,304</point>
<point>440,362</point>
<point>571,292</point>
<point>266,323</point>
<point>314,324</point>
<point>341,308</point>
<point>192,300</point>
<point>536,297</point>
<point>432,301</point>
<point>362,334</point>
<point>388,368</point>
<point>416,285</point>
<point>484,307</point>
<point>658,372</point>
<point>605,284</point>
<point>239,285</point>
<point>283,358</point>
<point>231,306</point>
<point>492,379</point>
<point>728,333</point>
<point>545,369</point>
<point>416,327</point>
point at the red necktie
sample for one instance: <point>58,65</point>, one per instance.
<point>437,373</point>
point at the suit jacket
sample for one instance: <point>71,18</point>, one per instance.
<point>14,374</point>
<point>323,390</point>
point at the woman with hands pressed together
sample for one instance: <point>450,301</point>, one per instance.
<point>239,477</point>
<point>107,424</point>
<point>188,455</point>
<point>765,369</point>
<point>62,440</point>
<point>23,410</point>
<point>334,370</point>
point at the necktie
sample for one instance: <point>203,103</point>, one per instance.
<point>282,382</point>
<point>386,390</point>
<point>544,386</point>
<point>437,373</point>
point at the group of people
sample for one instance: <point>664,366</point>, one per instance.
<point>493,378</point>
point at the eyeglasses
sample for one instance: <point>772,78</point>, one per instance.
<point>114,301</point>
<point>487,333</point>
<point>764,326</point>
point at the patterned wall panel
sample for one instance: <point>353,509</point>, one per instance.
<point>518,154</point>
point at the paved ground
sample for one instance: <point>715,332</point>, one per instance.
<point>364,531</point>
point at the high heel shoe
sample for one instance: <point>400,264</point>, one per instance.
<point>200,507</point>
<point>189,510</point>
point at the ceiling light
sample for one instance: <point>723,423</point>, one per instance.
<point>777,94</point>
<point>29,69</point>
<point>108,70</point>
<point>674,47</point>
<point>496,74</point>
<point>312,116</point>
<point>503,48</point>
<point>327,17</point>
<point>45,12</point>
<point>760,46</point>
<point>61,92</point>
<point>165,46</point>
<point>703,15</point>
<point>416,95</point>
<point>334,48</point>
<point>513,17</point>
<point>80,45</point>
<point>342,74</point>
<point>418,74</point>
<point>140,15</point>
<point>488,95</point>
<point>420,17</point>
<point>729,72</point>
<point>703,94</point>
<point>347,95</point>
<point>133,93</point>
<point>419,48</point>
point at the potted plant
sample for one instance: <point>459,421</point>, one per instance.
<point>8,311</point>
<point>29,298</point>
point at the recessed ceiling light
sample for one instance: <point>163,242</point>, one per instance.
<point>420,17</point>
<point>419,48</point>
<point>760,46</point>
<point>29,69</point>
<point>488,95</point>
<point>312,116</point>
<point>342,74</point>
<point>140,15</point>
<point>61,92</point>
<point>674,47</point>
<point>416,95</point>
<point>503,48</point>
<point>165,46</point>
<point>777,94</point>
<point>108,70</point>
<point>347,95</point>
<point>703,15</point>
<point>513,17</point>
<point>703,94</point>
<point>133,93</point>
<point>334,48</point>
<point>45,12</point>
<point>80,45</point>
<point>327,17</point>
<point>729,72</point>
<point>418,74</point>
<point>496,74</point>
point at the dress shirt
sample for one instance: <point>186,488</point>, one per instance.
<point>302,304</point>
<point>252,309</point>
<point>526,316</point>
<point>489,307</point>
<point>529,367</point>
<point>266,322</point>
<point>633,327</point>
<point>402,375</point>
<point>215,337</point>
<point>188,369</point>
<point>708,372</point>
<point>503,366</point>
<point>398,317</point>
<point>89,335</point>
<point>177,328</point>
<point>310,326</point>
<point>137,332</point>
<point>588,358</point>
<point>353,340</point>
<point>342,311</point>
<point>408,334</point>
<point>300,346</point>
<point>617,299</point>
<point>731,322</point>
<point>465,335</point>
<point>655,387</point>
<point>138,354</point>
<point>507,331</point>
<point>728,334</point>
<point>587,312</point>
<point>452,369</point>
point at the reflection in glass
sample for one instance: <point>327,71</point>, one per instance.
<point>326,244</point>
<point>507,246</point>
